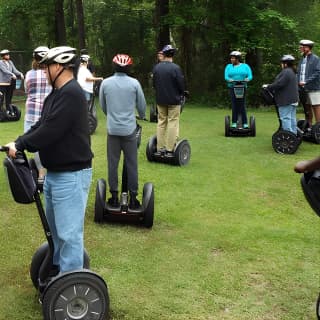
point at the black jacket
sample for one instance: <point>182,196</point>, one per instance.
<point>285,88</point>
<point>168,82</point>
<point>62,134</point>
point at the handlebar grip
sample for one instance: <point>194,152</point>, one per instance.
<point>4,149</point>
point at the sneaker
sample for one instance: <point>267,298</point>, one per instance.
<point>169,154</point>
<point>114,202</point>
<point>245,126</point>
<point>234,125</point>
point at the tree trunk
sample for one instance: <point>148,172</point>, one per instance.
<point>163,34</point>
<point>81,26</point>
<point>60,26</point>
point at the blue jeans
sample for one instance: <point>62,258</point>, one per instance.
<point>66,195</point>
<point>287,116</point>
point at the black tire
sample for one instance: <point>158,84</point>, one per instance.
<point>99,206</point>
<point>318,307</point>
<point>253,126</point>
<point>153,113</point>
<point>182,153</point>
<point>76,295</point>
<point>17,112</point>
<point>93,123</point>
<point>38,259</point>
<point>302,124</point>
<point>315,132</point>
<point>148,205</point>
<point>285,142</point>
<point>227,126</point>
<point>151,148</point>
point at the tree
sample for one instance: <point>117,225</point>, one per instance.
<point>60,27</point>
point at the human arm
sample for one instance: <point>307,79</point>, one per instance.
<point>15,71</point>
<point>307,165</point>
<point>102,98</point>
<point>249,76</point>
<point>141,102</point>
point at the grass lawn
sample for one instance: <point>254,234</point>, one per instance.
<point>233,236</point>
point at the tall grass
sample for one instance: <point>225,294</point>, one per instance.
<point>233,236</point>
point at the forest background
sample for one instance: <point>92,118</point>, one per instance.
<point>204,31</point>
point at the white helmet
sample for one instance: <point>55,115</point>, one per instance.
<point>84,58</point>
<point>4,52</point>
<point>61,55</point>
<point>307,43</point>
<point>235,54</point>
<point>40,52</point>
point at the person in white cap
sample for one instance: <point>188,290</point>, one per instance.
<point>8,75</point>
<point>309,79</point>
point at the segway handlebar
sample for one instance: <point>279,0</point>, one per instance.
<point>4,149</point>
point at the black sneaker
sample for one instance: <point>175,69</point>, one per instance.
<point>134,203</point>
<point>113,202</point>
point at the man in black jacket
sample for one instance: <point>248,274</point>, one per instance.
<point>168,82</point>
<point>62,138</point>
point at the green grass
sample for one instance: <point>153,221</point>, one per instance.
<point>233,236</point>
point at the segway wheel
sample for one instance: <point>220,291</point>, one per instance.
<point>38,259</point>
<point>100,201</point>
<point>17,112</point>
<point>315,131</point>
<point>285,142</point>
<point>148,205</point>
<point>252,126</point>
<point>153,113</point>
<point>93,123</point>
<point>227,126</point>
<point>302,124</point>
<point>151,148</point>
<point>182,153</point>
<point>76,295</point>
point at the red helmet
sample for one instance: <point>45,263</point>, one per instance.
<point>122,60</point>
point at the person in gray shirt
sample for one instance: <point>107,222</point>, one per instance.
<point>120,95</point>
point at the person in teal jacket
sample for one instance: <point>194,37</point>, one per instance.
<point>234,72</point>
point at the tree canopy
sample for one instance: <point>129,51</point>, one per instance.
<point>204,31</point>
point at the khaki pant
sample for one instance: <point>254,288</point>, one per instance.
<point>168,126</point>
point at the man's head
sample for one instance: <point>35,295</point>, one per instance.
<point>122,63</point>
<point>306,46</point>
<point>169,51</point>
<point>5,54</point>
<point>59,60</point>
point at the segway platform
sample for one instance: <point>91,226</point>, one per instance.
<point>179,157</point>
<point>14,116</point>
<point>309,134</point>
<point>80,294</point>
<point>239,131</point>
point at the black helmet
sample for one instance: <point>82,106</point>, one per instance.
<point>168,50</point>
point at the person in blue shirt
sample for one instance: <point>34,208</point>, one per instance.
<point>234,72</point>
<point>120,95</point>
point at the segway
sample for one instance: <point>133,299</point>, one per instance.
<point>283,141</point>
<point>310,134</point>
<point>239,130</point>
<point>179,157</point>
<point>13,115</point>
<point>92,111</point>
<point>80,294</point>
<point>143,215</point>
<point>310,183</point>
